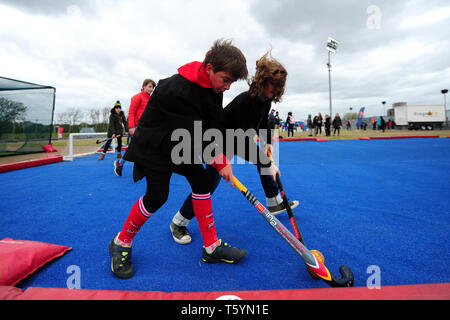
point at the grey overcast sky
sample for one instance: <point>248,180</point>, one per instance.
<point>97,52</point>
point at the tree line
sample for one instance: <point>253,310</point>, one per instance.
<point>74,119</point>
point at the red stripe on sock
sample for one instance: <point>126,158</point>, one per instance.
<point>136,218</point>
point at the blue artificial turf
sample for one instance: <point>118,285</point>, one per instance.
<point>362,203</point>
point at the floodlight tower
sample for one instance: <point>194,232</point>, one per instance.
<point>444,92</point>
<point>332,45</point>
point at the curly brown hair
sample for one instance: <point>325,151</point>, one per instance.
<point>270,70</point>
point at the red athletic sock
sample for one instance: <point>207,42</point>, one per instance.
<point>203,213</point>
<point>136,218</point>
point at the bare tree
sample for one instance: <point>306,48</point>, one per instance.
<point>95,116</point>
<point>105,114</point>
<point>74,115</point>
<point>61,117</point>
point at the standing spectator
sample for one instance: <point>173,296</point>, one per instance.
<point>115,129</point>
<point>316,125</point>
<point>290,121</point>
<point>272,120</point>
<point>320,123</point>
<point>374,124</point>
<point>337,124</point>
<point>137,106</point>
<point>364,126</point>
<point>327,125</point>
<point>348,124</point>
<point>309,123</point>
<point>382,123</point>
<point>277,121</point>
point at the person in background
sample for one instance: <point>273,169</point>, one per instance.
<point>290,122</point>
<point>115,130</point>
<point>319,123</point>
<point>137,106</point>
<point>316,125</point>
<point>277,124</point>
<point>327,125</point>
<point>272,120</point>
<point>382,123</point>
<point>337,124</point>
<point>309,123</point>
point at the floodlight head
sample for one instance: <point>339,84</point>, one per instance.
<point>332,45</point>
<point>444,91</point>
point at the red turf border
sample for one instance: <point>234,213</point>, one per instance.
<point>396,137</point>
<point>430,291</point>
<point>51,158</point>
<point>360,138</point>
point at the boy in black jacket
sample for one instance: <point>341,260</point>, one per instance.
<point>249,110</point>
<point>192,95</point>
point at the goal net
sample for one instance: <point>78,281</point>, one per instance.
<point>90,143</point>
<point>26,116</point>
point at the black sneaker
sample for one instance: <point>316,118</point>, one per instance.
<point>180,234</point>
<point>120,260</point>
<point>224,253</point>
<point>279,208</point>
<point>118,168</point>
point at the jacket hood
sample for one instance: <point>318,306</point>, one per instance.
<point>195,72</point>
<point>113,112</point>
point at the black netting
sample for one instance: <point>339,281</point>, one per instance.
<point>26,116</point>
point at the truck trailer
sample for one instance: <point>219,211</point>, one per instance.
<point>419,117</point>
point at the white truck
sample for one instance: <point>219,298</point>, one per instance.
<point>423,117</point>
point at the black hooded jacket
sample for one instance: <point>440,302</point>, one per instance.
<point>176,103</point>
<point>116,123</point>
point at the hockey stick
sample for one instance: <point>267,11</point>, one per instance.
<point>297,233</point>
<point>308,258</point>
<point>105,140</point>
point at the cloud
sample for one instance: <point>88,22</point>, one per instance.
<point>97,52</point>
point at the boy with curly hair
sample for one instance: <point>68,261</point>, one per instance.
<point>249,110</point>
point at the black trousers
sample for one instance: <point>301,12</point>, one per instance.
<point>119,144</point>
<point>270,189</point>
<point>290,129</point>
<point>158,183</point>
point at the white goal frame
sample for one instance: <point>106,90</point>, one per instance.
<point>72,156</point>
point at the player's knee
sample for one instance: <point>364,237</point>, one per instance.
<point>155,200</point>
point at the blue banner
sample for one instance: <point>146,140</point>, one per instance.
<point>360,117</point>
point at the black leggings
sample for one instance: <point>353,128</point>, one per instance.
<point>270,189</point>
<point>108,143</point>
<point>158,184</point>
